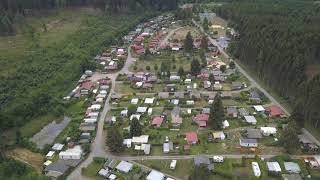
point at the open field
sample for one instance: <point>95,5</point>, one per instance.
<point>181,33</point>
<point>26,156</point>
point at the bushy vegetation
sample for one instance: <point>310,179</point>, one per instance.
<point>279,40</point>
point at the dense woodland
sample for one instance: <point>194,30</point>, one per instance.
<point>280,40</point>
<point>11,9</point>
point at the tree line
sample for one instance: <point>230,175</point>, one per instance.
<point>279,40</point>
<point>11,9</point>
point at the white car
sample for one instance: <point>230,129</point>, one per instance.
<point>167,139</point>
<point>173,164</point>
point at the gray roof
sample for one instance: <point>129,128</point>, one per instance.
<point>147,149</point>
<point>163,95</point>
<point>232,110</point>
<point>249,141</point>
<point>253,133</point>
<point>179,95</point>
<point>201,159</point>
<point>206,110</point>
<point>58,166</point>
<point>292,167</point>
<point>124,166</point>
<point>243,112</point>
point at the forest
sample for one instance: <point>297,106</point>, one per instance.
<point>11,9</point>
<point>280,42</point>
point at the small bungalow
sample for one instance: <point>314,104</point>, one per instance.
<point>291,177</point>
<point>155,175</point>
<point>56,169</point>
<point>292,167</point>
<point>250,143</point>
<point>137,116</point>
<point>243,112</point>
<point>268,131</point>
<point>124,113</point>
<point>273,167</point>
<point>124,167</point>
<point>250,120</point>
<point>253,133</point>
<point>134,101</point>
<point>163,95</point>
<point>236,85</point>
<point>104,173</point>
<point>232,112</point>
<point>143,139</point>
<point>171,87</point>
<point>142,110</point>
<point>225,124</point>
<point>201,120</point>
<point>195,95</point>
<point>206,110</point>
<point>259,108</point>
<point>218,135</point>
<point>174,78</point>
<point>274,111</point>
<point>57,147</point>
<point>203,160</point>
<point>179,95</point>
<point>149,101</point>
<point>127,142</point>
<point>157,121</point>
<point>191,138</point>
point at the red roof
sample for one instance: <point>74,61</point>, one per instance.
<point>201,117</point>
<point>87,85</point>
<point>157,121</point>
<point>274,111</point>
<point>141,51</point>
<point>191,137</point>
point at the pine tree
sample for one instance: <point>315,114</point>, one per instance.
<point>204,44</point>
<point>181,72</point>
<point>289,137</point>
<point>216,116</point>
<point>195,67</point>
<point>205,24</point>
<point>188,43</point>
<point>135,127</point>
<point>114,140</point>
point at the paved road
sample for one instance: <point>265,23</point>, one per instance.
<point>98,146</point>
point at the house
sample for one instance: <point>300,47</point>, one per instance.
<point>232,112</point>
<point>104,173</point>
<point>206,110</point>
<point>218,135</point>
<point>190,102</point>
<point>143,139</point>
<point>174,78</point>
<point>134,101</point>
<point>274,111</point>
<point>268,131</point>
<point>248,142</point>
<point>256,169</point>
<point>124,113</point>
<point>273,167</point>
<point>179,95</point>
<point>157,121</point>
<point>110,163</point>
<point>217,86</point>
<point>191,137</point>
<point>146,148</point>
<point>176,119</point>
<point>142,110</point>
<point>253,133</point>
<point>173,165</point>
<point>56,169</point>
<point>124,167</point>
<point>163,95</point>
<point>203,160</point>
<point>149,101</point>
<point>57,147</point>
<point>155,175</point>
<point>206,84</point>
<point>171,87</point>
<point>150,111</point>
<point>73,153</point>
<point>259,108</point>
<point>127,142</point>
<point>201,120</point>
<point>256,95</point>
<point>292,167</point>
<point>243,112</point>
<point>236,85</point>
<point>85,127</point>
<point>86,87</point>
<point>250,120</point>
<point>195,95</point>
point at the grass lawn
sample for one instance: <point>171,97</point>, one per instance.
<point>92,170</point>
<point>37,124</point>
<point>183,168</point>
<point>314,131</point>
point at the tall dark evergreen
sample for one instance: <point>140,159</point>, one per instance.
<point>289,137</point>
<point>188,43</point>
<point>216,116</point>
<point>135,127</point>
<point>195,67</point>
<point>114,140</point>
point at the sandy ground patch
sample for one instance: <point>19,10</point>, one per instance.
<point>182,33</point>
<point>26,156</point>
